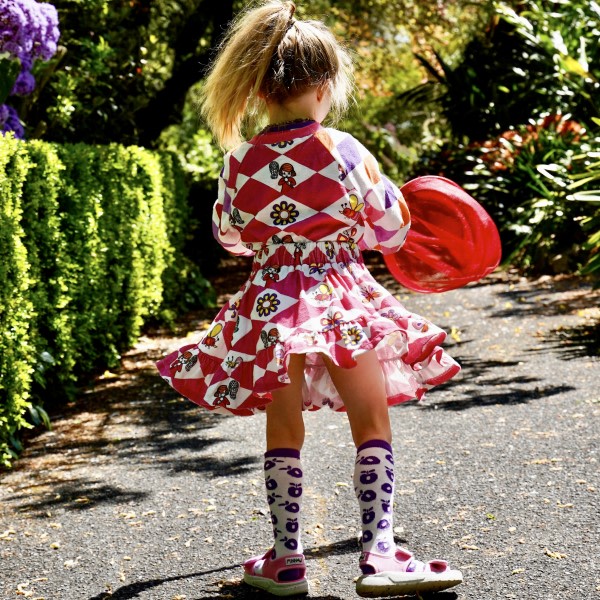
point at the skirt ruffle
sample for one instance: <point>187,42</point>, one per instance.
<point>314,299</point>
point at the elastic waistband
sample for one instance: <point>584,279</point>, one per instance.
<point>307,253</point>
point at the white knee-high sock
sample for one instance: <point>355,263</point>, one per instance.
<point>283,480</point>
<point>374,488</point>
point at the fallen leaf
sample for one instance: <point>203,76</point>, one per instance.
<point>556,555</point>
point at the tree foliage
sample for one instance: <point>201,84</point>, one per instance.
<point>125,68</point>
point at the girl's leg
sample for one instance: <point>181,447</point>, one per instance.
<point>285,424</point>
<point>387,570</point>
<point>282,570</point>
<point>362,389</point>
<point>283,469</point>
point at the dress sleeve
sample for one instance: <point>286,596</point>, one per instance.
<point>386,215</point>
<point>224,229</point>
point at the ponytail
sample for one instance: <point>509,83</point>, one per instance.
<point>268,55</point>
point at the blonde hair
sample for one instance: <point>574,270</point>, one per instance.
<point>268,55</point>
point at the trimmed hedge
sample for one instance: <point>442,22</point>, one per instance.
<point>91,248</point>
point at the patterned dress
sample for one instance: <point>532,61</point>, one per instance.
<point>304,200</point>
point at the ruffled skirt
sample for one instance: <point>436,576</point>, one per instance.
<point>311,298</point>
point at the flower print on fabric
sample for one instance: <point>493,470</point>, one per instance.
<point>369,293</point>
<point>352,336</point>
<point>267,304</point>
<point>284,213</point>
<point>344,205</point>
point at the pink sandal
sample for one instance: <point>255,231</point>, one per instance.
<point>285,576</point>
<point>401,574</point>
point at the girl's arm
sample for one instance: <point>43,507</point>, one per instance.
<point>225,233</point>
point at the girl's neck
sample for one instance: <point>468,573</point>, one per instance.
<point>312,105</point>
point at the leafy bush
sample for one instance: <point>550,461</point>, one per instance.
<point>534,180</point>
<point>91,243</point>
<point>522,105</point>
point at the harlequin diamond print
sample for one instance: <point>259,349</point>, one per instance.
<point>311,151</point>
<point>256,159</point>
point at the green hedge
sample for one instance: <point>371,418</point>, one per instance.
<point>91,248</point>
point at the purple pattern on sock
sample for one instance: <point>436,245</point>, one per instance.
<point>374,488</point>
<point>283,480</point>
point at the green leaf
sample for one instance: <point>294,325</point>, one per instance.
<point>9,71</point>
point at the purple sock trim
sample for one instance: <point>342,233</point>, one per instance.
<point>374,444</point>
<point>283,453</point>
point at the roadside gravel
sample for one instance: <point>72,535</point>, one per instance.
<point>137,494</point>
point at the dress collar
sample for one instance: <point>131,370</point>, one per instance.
<point>286,131</point>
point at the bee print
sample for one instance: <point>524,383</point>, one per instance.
<point>316,268</point>
<point>224,392</point>
<point>348,237</point>
<point>353,208</point>
<point>211,338</point>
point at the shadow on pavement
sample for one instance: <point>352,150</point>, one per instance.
<point>573,343</point>
<point>134,589</point>
<point>122,419</point>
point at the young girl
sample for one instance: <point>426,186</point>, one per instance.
<point>311,327</point>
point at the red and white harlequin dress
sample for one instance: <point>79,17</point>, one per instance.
<point>304,200</point>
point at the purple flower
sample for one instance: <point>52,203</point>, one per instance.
<point>11,121</point>
<point>24,85</point>
<point>3,114</point>
<point>28,31</point>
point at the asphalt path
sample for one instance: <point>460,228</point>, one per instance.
<point>137,494</point>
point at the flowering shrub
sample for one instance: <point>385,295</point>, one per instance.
<point>540,184</point>
<point>28,31</point>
